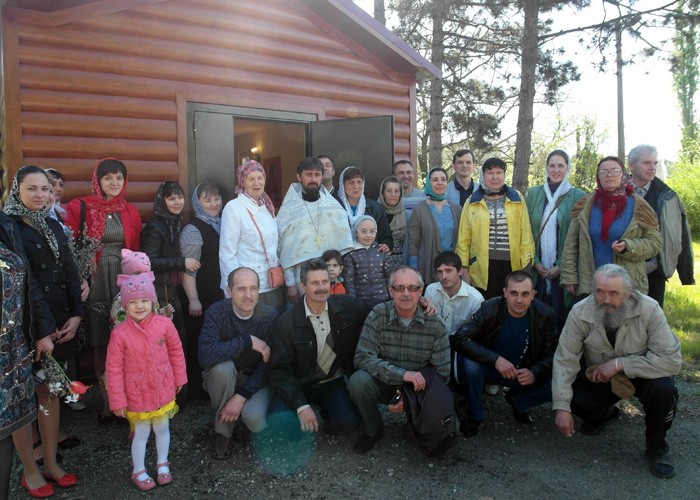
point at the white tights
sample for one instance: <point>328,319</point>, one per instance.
<point>142,430</point>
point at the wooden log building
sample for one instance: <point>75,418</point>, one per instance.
<point>186,89</point>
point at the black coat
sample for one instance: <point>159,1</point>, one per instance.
<point>293,351</point>
<point>474,337</point>
<point>59,281</point>
<point>163,249</point>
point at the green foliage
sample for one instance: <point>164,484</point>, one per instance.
<point>682,309</point>
<point>585,161</point>
<point>684,66</point>
<point>685,180</point>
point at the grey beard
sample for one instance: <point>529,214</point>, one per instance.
<point>613,320</point>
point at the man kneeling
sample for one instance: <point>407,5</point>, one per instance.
<point>629,348</point>
<point>233,353</point>
<point>399,345</point>
<point>509,341</point>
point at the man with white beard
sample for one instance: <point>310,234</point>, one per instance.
<point>620,332</point>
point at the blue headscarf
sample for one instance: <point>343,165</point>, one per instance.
<point>428,189</point>
<point>200,213</point>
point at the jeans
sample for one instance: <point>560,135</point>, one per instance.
<point>472,376</point>
<point>337,411</point>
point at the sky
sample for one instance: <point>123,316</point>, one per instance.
<point>651,110</point>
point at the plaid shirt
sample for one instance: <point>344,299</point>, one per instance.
<point>387,349</point>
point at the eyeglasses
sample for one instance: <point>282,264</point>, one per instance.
<point>613,172</point>
<point>401,288</point>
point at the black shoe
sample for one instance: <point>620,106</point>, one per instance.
<point>69,442</point>
<point>470,427</point>
<point>365,443</point>
<point>105,419</point>
<point>589,430</point>
<point>521,416</point>
<point>660,464</point>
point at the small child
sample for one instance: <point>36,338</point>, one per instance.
<point>133,263</point>
<point>366,269</point>
<point>335,266</point>
<point>145,370</point>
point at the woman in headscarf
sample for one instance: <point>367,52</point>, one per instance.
<point>549,207</point>
<point>433,226</point>
<point>200,241</point>
<point>351,196</point>
<point>390,197</point>
<point>249,234</point>
<point>103,223</point>
<point>611,225</point>
<point>494,232</point>
<point>160,240</point>
<point>56,274</point>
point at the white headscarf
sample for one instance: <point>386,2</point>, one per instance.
<point>548,238</point>
<point>361,204</point>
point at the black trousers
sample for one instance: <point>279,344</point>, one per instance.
<point>657,286</point>
<point>658,396</point>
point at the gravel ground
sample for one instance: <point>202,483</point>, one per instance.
<point>505,460</point>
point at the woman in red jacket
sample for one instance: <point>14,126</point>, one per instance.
<point>103,223</point>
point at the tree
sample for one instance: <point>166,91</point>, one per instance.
<point>684,65</point>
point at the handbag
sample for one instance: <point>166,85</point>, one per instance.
<point>275,276</point>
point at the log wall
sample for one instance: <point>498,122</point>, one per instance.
<point>97,80</point>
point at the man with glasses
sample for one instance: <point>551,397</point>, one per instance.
<point>399,346</point>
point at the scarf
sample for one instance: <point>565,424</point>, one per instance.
<point>98,208</point>
<point>355,225</point>
<point>14,206</point>
<point>428,188</point>
<point>361,204</point>
<point>612,204</point>
<point>243,171</point>
<point>548,233</point>
<point>174,223</point>
<point>398,211</point>
<point>200,213</point>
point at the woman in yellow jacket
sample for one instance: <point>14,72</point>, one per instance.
<point>494,232</point>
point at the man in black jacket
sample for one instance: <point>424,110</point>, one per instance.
<point>312,348</point>
<point>509,341</point>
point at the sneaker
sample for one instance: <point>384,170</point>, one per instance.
<point>521,416</point>
<point>589,430</point>
<point>365,443</point>
<point>660,464</point>
<point>76,405</point>
<point>491,390</point>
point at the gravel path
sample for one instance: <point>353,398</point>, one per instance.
<point>505,460</point>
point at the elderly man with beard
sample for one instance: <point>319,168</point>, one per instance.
<point>619,331</point>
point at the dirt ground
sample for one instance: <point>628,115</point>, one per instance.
<point>505,460</point>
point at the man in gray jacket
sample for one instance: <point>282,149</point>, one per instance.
<point>677,249</point>
<point>620,331</point>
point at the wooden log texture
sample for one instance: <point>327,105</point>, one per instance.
<point>105,83</point>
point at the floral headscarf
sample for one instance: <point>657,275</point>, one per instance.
<point>202,214</point>
<point>361,204</point>
<point>98,207</point>
<point>15,207</point>
<point>612,203</point>
<point>243,171</point>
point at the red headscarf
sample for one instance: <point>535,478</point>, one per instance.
<point>243,171</point>
<point>612,203</point>
<point>98,207</point>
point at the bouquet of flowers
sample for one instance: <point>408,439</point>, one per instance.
<point>58,382</point>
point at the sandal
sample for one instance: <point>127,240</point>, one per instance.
<point>221,447</point>
<point>164,478</point>
<point>145,485</point>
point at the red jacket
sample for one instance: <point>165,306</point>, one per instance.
<point>145,364</point>
<point>131,223</point>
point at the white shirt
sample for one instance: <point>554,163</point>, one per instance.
<point>457,309</point>
<point>240,243</point>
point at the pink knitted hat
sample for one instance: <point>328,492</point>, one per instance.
<point>135,262</point>
<point>137,286</point>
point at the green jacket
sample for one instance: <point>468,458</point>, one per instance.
<point>642,238</point>
<point>535,200</point>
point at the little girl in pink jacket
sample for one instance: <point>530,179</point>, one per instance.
<point>145,370</point>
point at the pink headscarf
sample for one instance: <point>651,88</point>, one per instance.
<point>243,171</point>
